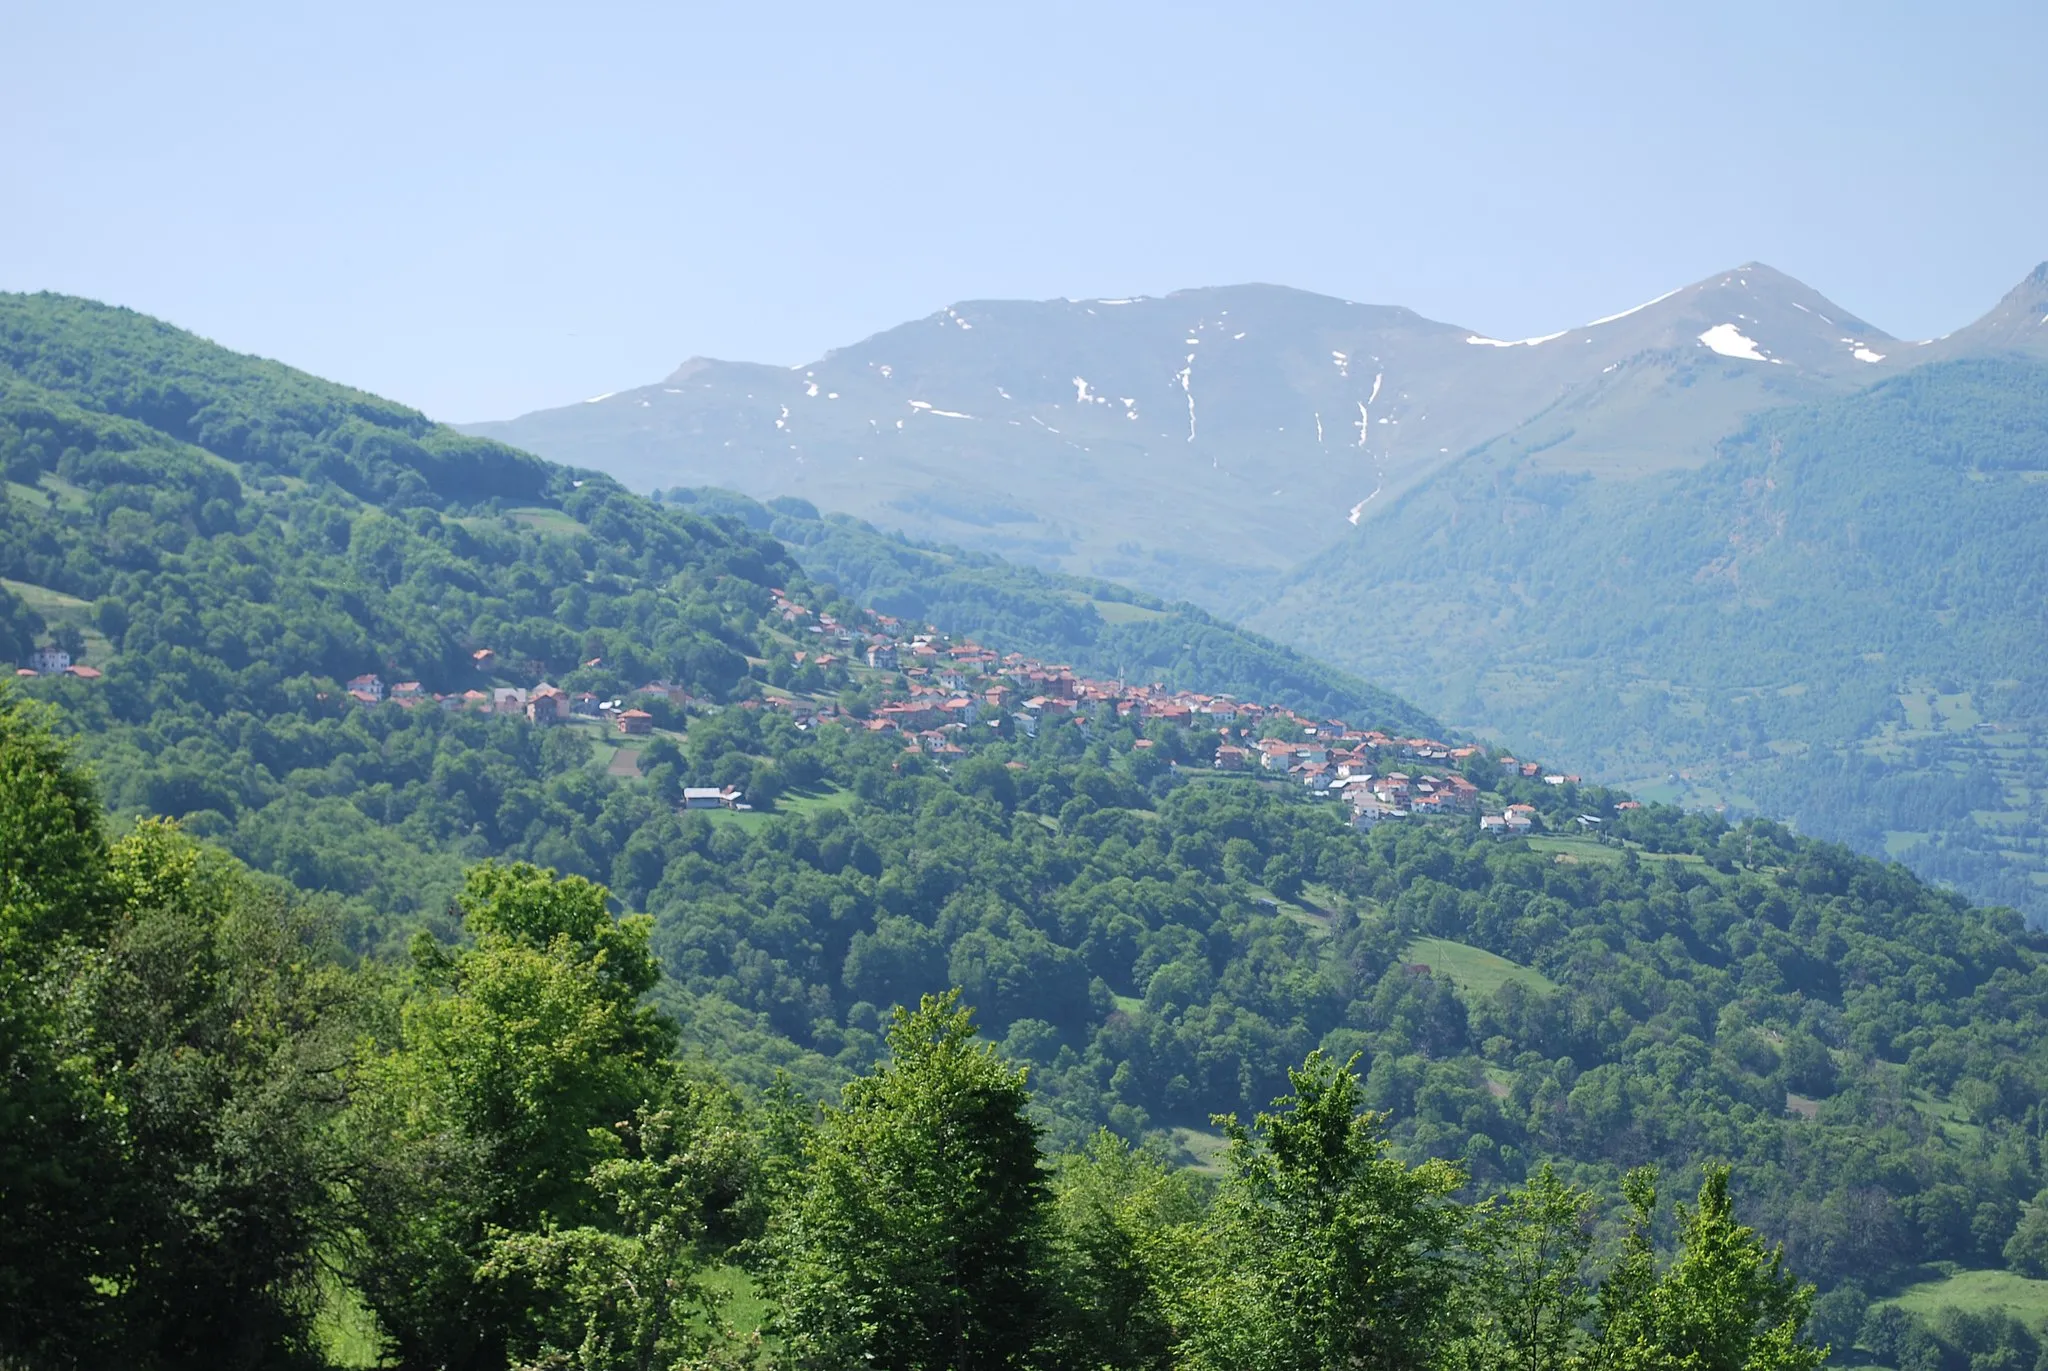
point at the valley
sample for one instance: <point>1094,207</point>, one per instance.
<point>385,665</point>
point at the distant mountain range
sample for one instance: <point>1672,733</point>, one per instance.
<point>1196,443</point>
<point>1734,545</point>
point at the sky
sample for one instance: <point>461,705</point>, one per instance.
<point>487,209</point>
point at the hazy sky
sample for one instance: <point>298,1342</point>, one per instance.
<point>484,209</point>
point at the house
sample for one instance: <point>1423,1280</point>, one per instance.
<point>583,705</point>
<point>709,797</point>
<point>82,672</point>
<point>1493,825</point>
<point>882,656</point>
<point>636,721</point>
<point>1372,813</point>
<point>484,659</point>
<point>48,660</point>
<point>408,692</point>
<point>508,700</point>
<point>1231,757</point>
<point>366,686</point>
<point>547,705</point>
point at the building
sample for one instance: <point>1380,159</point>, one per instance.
<point>636,721</point>
<point>367,686</point>
<point>48,660</point>
<point>709,797</point>
<point>547,705</point>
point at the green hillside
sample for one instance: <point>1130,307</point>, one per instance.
<point>1838,620</point>
<point>1158,938</point>
<point>1100,628</point>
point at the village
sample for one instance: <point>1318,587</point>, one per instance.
<point>941,693</point>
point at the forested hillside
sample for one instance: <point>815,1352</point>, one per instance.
<point>231,540</point>
<point>1158,938</point>
<point>224,1146</point>
<point>1838,622</point>
<point>1102,628</point>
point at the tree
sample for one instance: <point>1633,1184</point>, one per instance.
<point>221,1023</point>
<point>1527,1291</point>
<point>1323,1251</point>
<point>510,1062</point>
<point>171,1031</point>
<point>58,1139</point>
<point>1724,1304</point>
<point>921,1239</point>
<point>2026,1251</point>
<point>628,1294</point>
<point>1121,1219</point>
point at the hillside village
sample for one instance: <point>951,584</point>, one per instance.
<point>942,694</point>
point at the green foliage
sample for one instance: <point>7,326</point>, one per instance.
<point>631,1294</point>
<point>1825,623</point>
<point>1058,617</point>
<point>921,1241</point>
<point>1724,1304</point>
<point>1326,1251</point>
<point>1528,1296</point>
<point>487,1114</point>
<point>1122,1221</point>
<point>172,1031</point>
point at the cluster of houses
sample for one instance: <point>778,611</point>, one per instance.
<point>953,685</point>
<point>542,704</point>
<point>952,688</point>
<point>51,660</point>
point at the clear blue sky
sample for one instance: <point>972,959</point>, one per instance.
<point>483,209</point>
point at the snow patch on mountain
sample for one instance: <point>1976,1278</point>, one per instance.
<point>1638,309</point>
<point>1518,342</point>
<point>1729,341</point>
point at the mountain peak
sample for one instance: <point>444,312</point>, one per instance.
<point>2017,323</point>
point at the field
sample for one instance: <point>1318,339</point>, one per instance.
<point>1474,970</point>
<point>1207,1148</point>
<point>740,1302</point>
<point>1116,612</point>
<point>58,608</point>
<point>1978,1292</point>
<point>1576,849</point>
<point>535,517</point>
<point>795,802</point>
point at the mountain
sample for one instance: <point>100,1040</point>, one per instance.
<point>227,541</point>
<point>2019,323</point>
<point>238,547</point>
<point>1196,443</point>
<point>1098,627</point>
<point>1837,621</point>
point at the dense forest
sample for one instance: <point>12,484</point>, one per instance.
<point>370,996</point>
<point>224,1146</point>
